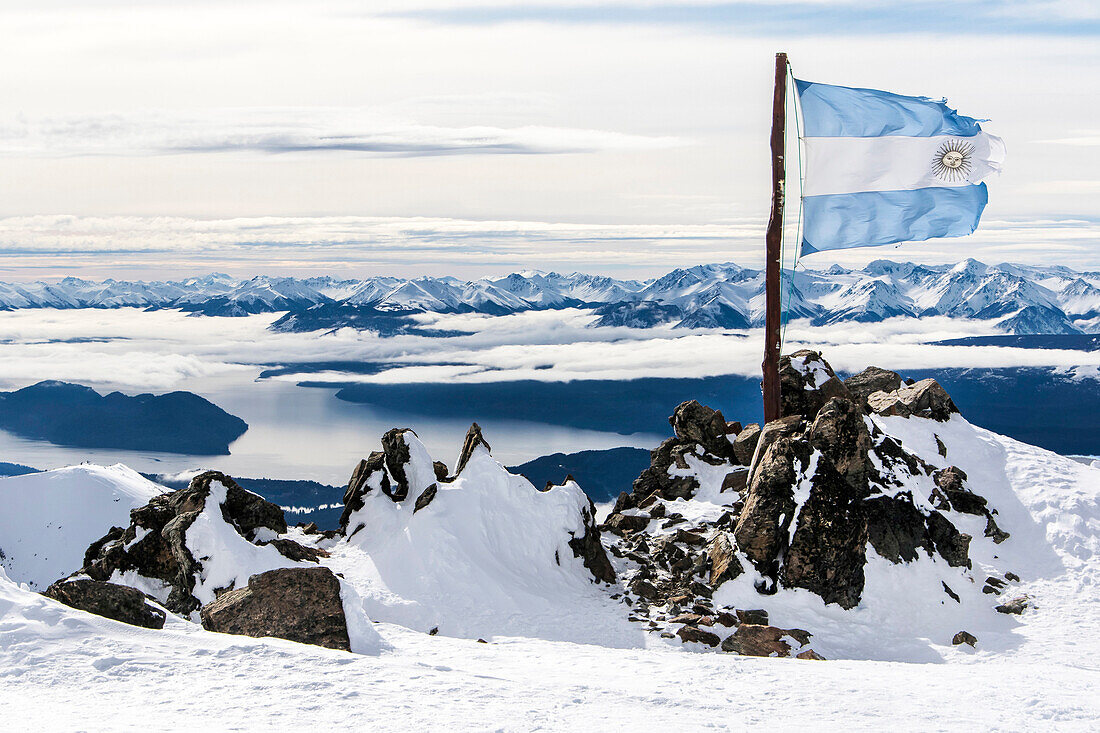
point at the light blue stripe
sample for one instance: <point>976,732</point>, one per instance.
<point>871,218</point>
<point>832,111</point>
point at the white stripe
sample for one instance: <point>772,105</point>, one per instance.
<point>893,162</point>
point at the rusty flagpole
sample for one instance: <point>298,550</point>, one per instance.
<point>774,245</point>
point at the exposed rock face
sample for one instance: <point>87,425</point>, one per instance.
<point>964,637</point>
<point>118,602</point>
<point>474,438</point>
<point>825,487</point>
<point>871,380</point>
<point>368,470</point>
<point>396,452</point>
<point>155,546</point>
<point>590,550</point>
<point>298,604</point>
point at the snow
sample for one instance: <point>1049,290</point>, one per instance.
<point>48,519</point>
<point>479,561</point>
<point>487,558</point>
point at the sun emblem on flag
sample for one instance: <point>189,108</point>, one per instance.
<point>952,161</point>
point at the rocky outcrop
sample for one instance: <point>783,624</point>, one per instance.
<point>751,640</point>
<point>473,440</point>
<point>155,546</point>
<point>117,602</point>
<point>871,380</point>
<point>368,472</point>
<point>298,604</point>
<point>825,487</point>
<point>925,398</point>
<point>590,550</point>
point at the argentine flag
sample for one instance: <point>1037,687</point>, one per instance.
<point>884,168</point>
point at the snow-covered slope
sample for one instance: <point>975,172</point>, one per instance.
<point>48,519</point>
<point>488,557</point>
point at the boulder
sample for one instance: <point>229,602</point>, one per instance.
<point>695,634</point>
<point>425,497</point>
<point>752,640</point>
<point>655,481</point>
<point>871,380</point>
<point>756,616</point>
<point>810,654</point>
<point>744,445</point>
<point>298,604</point>
<point>807,383</point>
<point>473,439</point>
<point>925,398</point>
<point>964,637</point>
<point>117,602</point>
<point>1014,607</point>
<point>696,423</point>
<point>724,564</point>
<point>621,524</point>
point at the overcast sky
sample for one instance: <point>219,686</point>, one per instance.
<point>152,139</point>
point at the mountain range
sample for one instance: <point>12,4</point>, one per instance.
<point>1017,299</point>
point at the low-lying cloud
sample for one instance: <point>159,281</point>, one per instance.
<point>316,130</point>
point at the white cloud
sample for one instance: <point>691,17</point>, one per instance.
<point>317,130</point>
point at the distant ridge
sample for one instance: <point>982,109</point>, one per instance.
<point>1017,299</point>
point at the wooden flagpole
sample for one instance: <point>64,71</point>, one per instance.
<point>773,246</point>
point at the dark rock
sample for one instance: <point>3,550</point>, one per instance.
<point>724,564</point>
<point>964,637</point>
<point>1014,607</point>
<point>686,618</point>
<point>473,439</point>
<point>161,551</point>
<point>754,616</point>
<point>311,528</point>
<point>696,423</point>
<point>752,640</point>
<point>441,470</point>
<point>733,428</point>
<point>296,551</point>
<point>695,634</point>
<point>925,398</point>
<point>949,542</point>
<point>828,550</point>
<point>117,602</point>
<point>590,550</point>
<point>840,432</point>
<point>622,524</point>
<point>896,528</point>
<point>396,452</point>
<point>948,591</point>
<point>358,485</point>
<point>951,482</point>
<point>807,383</point>
<point>870,380</point>
<point>994,532</point>
<point>763,527</point>
<point>298,604</point>
<point>1013,577</point>
<point>625,501</point>
<point>425,497</point>
<point>940,447</point>
<point>655,481</point>
<point>810,654</point>
<point>744,445</point>
<point>736,480</point>
<point>644,589</point>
